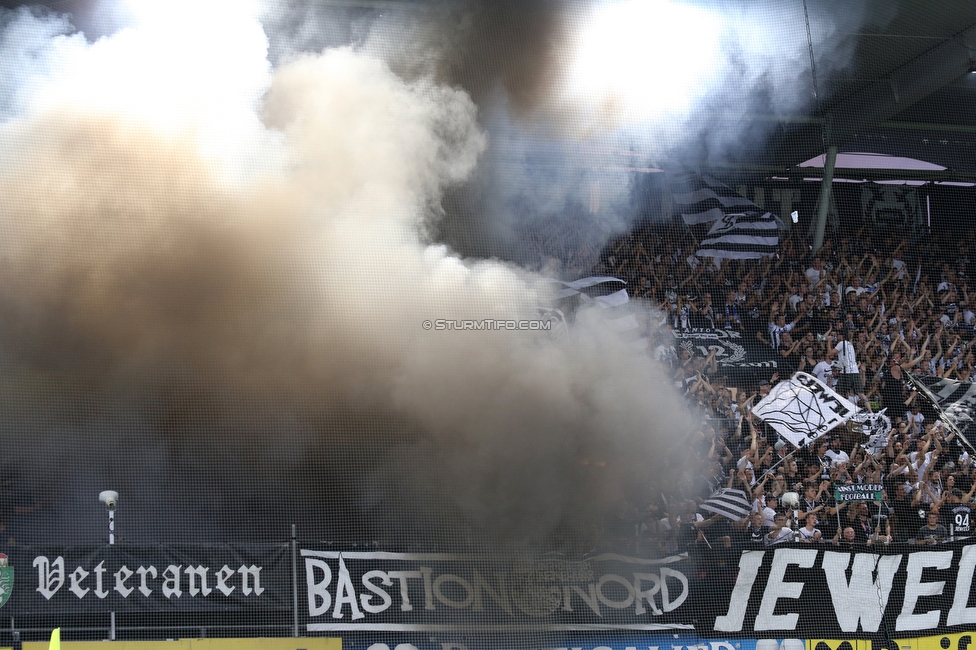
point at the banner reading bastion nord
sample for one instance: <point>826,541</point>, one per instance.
<point>787,591</point>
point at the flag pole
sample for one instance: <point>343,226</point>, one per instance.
<point>923,389</point>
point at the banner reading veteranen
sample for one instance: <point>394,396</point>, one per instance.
<point>125,578</point>
<point>436,592</point>
<point>890,592</point>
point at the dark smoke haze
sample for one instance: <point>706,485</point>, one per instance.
<point>215,275</point>
<point>222,226</point>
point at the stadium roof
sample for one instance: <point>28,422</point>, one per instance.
<point>909,92</point>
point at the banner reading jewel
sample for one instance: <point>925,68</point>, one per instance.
<point>831,592</point>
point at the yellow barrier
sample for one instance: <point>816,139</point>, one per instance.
<point>198,644</point>
<point>960,641</point>
<point>265,644</point>
<point>838,644</point>
<point>114,645</point>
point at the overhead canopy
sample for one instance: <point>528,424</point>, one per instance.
<point>909,93</point>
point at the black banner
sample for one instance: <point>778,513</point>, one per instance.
<point>790,591</point>
<point>829,592</point>
<point>733,349</point>
<point>124,578</point>
<point>377,592</point>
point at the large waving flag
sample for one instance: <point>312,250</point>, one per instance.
<point>702,199</point>
<point>730,503</point>
<point>609,296</point>
<point>803,408</point>
<point>954,401</point>
<point>726,224</point>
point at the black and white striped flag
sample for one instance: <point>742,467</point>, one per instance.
<point>741,236</point>
<point>954,401</point>
<point>726,224</point>
<point>730,503</point>
<point>609,296</point>
<point>702,199</point>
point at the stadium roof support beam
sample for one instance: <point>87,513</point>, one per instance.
<point>824,205</point>
<point>903,87</point>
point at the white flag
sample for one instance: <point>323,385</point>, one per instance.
<point>803,409</point>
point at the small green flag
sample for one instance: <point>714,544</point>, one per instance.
<point>55,639</point>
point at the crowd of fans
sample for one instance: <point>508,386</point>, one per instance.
<point>859,314</point>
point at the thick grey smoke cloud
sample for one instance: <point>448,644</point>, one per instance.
<point>215,275</point>
<point>572,95</point>
<point>218,250</point>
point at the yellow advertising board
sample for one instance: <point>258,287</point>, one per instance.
<point>839,644</point>
<point>114,645</point>
<point>959,641</point>
<point>290,643</point>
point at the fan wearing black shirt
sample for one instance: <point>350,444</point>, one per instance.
<point>957,514</point>
<point>906,519</point>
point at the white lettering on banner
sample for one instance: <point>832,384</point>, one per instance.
<point>462,583</point>
<point>76,578</point>
<point>426,572</point>
<point>668,604</point>
<point>864,598</point>
<point>318,590</point>
<point>402,576</point>
<point>641,596</point>
<point>50,575</point>
<point>171,584</point>
<point>99,574</point>
<point>345,594</point>
<point>123,574</point>
<point>861,600</point>
<point>776,589</point>
<point>376,590</point>
<point>615,604</point>
<point>366,599</point>
<point>960,614</point>
<point>915,588</point>
<point>143,582</point>
<point>194,572</point>
<point>223,576</point>
<point>749,563</point>
<point>255,573</point>
<point>406,646</point>
<point>589,597</point>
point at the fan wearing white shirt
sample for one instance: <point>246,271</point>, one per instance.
<point>810,533</point>
<point>836,454</point>
<point>824,371</point>
<point>849,382</point>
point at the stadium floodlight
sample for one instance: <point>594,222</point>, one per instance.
<point>626,56</point>
<point>110,498</point>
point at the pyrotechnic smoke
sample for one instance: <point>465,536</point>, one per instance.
<point>218,251</point>
<point>571,94</point>
<point>215,279</point>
